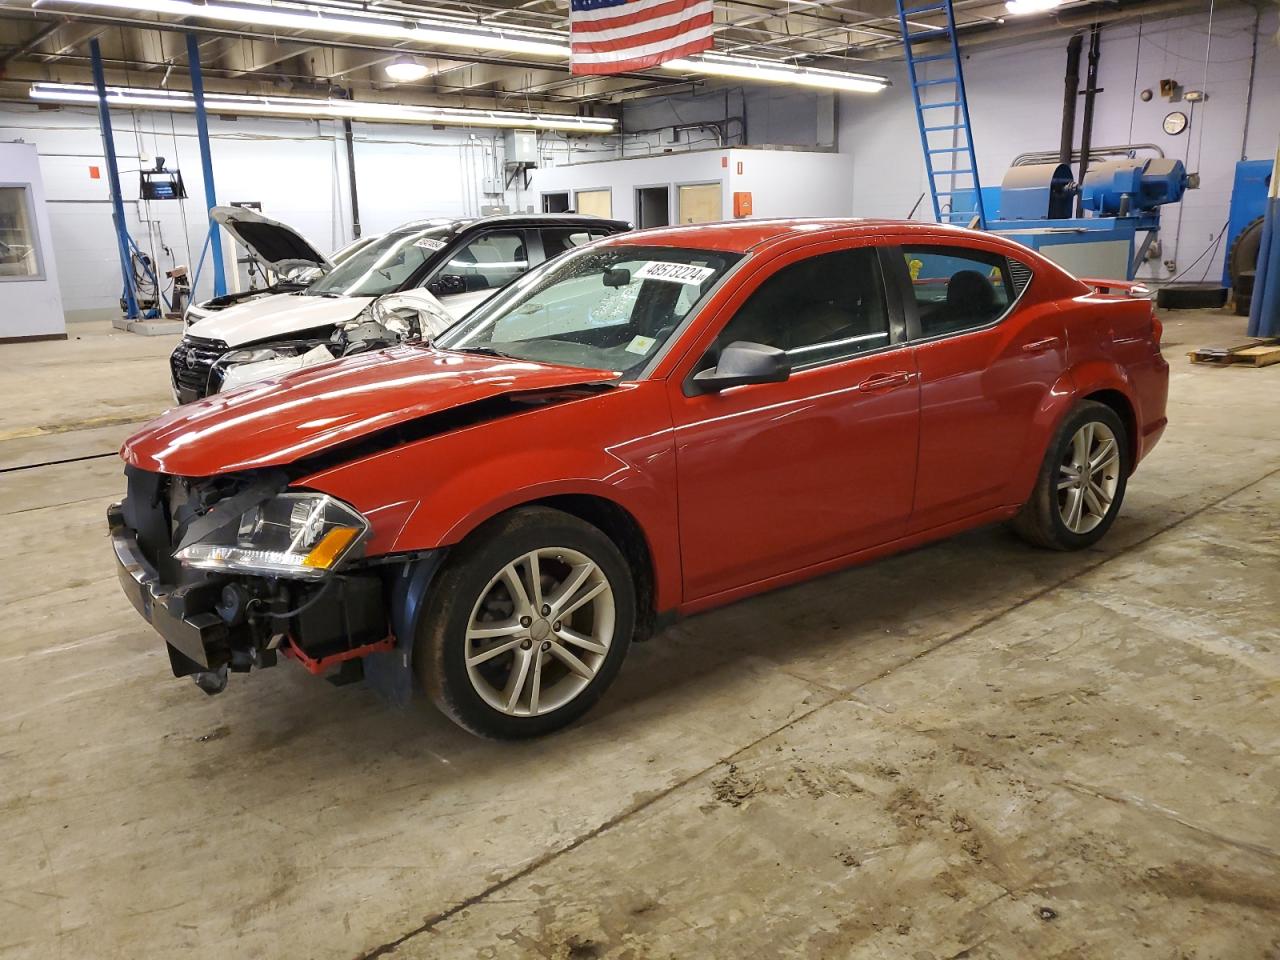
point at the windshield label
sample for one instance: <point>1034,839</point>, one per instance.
<point>641,345</point>
<point>429,243</point>
<point>685,273</point>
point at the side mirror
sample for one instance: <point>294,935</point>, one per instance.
<point>742,363</point>
<point>447,285</point>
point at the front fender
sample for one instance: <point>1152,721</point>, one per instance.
<point>432,493</point>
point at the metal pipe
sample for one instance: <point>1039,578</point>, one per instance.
<point>351,178</point>
<point>1117,150</point>
<point>206,162</point>
<point>1071,89</point>
<point>113,181</point>
<point>1090,92</point>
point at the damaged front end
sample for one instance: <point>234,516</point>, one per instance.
<point>388,321</point>
<point>234,570</point>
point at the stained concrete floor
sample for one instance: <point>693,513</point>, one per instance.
<point>972,750</point>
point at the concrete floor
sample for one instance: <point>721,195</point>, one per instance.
<point>973,750</point>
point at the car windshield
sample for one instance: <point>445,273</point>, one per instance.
<point>386,264</point>
<point>607,308</point>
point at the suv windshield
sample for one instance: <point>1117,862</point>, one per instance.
<point>607,308</point>
<point>386,264</point>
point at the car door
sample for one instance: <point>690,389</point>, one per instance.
<point>988,358</point>
<point>776,477</point>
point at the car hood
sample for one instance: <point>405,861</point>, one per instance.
<point>277,421</point>
<point>280,316</point>
<point>280,247</point>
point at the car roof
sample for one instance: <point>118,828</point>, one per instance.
<point>548,219</point>
<point>743,236</point>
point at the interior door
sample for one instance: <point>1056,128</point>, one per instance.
<point>775,477</point>
<point>700,202</point>
<point>987,365</point>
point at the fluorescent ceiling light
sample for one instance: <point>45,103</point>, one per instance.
<point>287,16</point>
<point>1020,8</point>
<point>313,108</point>
<point>770,71</point>
<point>427,34</point>
<point>406,69</point>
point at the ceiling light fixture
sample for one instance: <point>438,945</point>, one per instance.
<point>1022,8</point>
<point>406,69</point>
<point>772,71</point>
<point>313,108</point>
<point>435,33</point>
<point>281,16</point>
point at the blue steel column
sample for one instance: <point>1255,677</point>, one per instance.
<point>113,180</point>
<point>206,161</point>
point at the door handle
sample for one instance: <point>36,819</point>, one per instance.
<point>1040,346</point>
<point>885,381</point>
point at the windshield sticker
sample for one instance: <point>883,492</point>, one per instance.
<point>640,345</point>
<point>429,243</point>
<point>685,273</point>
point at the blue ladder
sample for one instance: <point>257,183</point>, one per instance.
<point>955,199</point>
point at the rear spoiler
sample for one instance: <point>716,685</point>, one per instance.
<point>1123,288</point>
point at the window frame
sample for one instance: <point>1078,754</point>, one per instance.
<point>911,307</point>
<point>892,305</point>
<point>34,226</point>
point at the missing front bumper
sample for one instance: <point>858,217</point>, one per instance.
<point>184,616</point>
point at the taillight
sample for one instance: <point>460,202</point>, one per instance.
<point>1157,330</point>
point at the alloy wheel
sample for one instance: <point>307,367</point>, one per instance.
<point>539,632</point>
<point>1088,477</point>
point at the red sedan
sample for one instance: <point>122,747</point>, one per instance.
<point>652,425</point>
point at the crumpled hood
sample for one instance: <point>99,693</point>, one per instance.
<point>277,421</point>
<point>281,316</point>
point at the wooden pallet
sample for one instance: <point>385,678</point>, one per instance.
<point>1255,353</point>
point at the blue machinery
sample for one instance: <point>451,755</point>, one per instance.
<point>1034,202</point>
<point>1123,196</point>
<point>125,243</point>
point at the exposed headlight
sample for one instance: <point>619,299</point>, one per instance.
<point>305,535</point>
<point>255,355</point>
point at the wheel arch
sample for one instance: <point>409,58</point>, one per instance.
<point>1123,408</point>
<point>606,514</point>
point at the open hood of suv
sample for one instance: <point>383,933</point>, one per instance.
<point>279,247</point>
<point>278,421</point>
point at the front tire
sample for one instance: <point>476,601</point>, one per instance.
<point>1081,483</point>
<point>528,624</point>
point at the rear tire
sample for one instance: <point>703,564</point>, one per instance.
<point>508,655</point>
<point>1081,483</point>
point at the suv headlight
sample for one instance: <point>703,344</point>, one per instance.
<point>255,355</point>
<point>306,535</point>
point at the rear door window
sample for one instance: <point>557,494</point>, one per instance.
<point>558,240</point>
<point>957,288</point>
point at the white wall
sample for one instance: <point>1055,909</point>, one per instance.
<point>30,306</point>
<point>782,183</point>
<point>297,169</point>
<point>1015,103</point>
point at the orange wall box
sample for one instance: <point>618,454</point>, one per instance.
<point>741,204</point>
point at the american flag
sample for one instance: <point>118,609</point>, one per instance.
<point>613,36</point>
